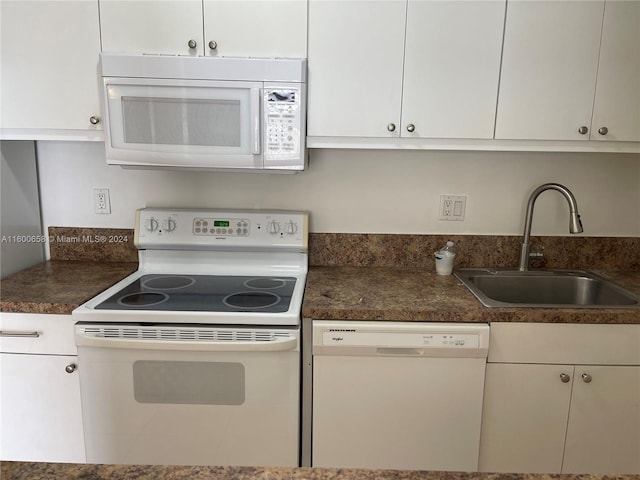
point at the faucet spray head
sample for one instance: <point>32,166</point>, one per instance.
<point>575,224</point>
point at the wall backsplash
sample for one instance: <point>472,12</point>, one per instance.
<point>361,191</point>
<point>413,251</point>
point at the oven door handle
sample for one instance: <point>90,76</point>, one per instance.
<point>278,344</point>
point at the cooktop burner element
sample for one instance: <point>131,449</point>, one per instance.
<point>168,282</point>
<point>251,300</point>
<point>264,283</point>
<point>211,293</point>
<point>142,299</point>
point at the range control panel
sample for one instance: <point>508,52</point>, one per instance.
<point>200,229</point>
<point>221,226</point>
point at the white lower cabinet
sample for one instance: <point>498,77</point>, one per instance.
<point>40,411</point>
<point>567,417</point>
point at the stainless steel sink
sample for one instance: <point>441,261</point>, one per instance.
<point>545,288</point>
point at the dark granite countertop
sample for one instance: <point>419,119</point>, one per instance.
<point>55,471</point>
<point>411,294</point>
<point>59,286</point>
<point>336,292</point>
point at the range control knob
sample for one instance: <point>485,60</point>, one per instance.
<point>169,225</point>
<point>151,224</point>
<point>273,227</point>
<point>291,227</point>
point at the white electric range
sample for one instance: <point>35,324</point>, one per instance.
<point>195,357</point>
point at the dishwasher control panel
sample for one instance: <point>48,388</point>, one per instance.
<point>417,339</point>
<point>408,340</point>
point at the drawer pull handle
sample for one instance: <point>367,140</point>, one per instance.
<point>6,333</point>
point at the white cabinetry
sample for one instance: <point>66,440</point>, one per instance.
<point>151,27</point>
<point>40,412</point>
<point>562,399</point>
<point>389,69</point>
<point>256,28</point>
<point>355,68</point>
<point>559,55</point>
<point>49,81</point>
<point>211,27</point>
<point>451,68</point>
<point>616,110</point>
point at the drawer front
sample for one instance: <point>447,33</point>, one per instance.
<point>37,334</point>
<point>564,343</point>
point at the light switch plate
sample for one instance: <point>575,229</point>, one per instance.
<point>452,207</point>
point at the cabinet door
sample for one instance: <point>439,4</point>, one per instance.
<point>451,68</point>
<point>549,67</point>
<point>142,26</point>
<point>604,424</point>
<point>617,102</point>
<point>49,77</point>
<point>524,418</point>
<point>256,28</point>
<point>355,67</point>
<point>40,409</point>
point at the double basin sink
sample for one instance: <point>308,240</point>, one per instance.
<point>545,288</point>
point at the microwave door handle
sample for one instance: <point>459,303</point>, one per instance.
<point>255,121</point>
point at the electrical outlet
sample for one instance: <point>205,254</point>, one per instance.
<point>452,207</point>
<point>101,200</point>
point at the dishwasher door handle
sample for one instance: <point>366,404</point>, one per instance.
<point>408,352</point>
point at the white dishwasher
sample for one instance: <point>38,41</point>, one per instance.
<point>398,395</point>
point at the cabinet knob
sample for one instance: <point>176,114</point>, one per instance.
<point>603,130</point>
<point>93,120</point>
<point>70,368</point>
<point>391,127</point>
<point>583,130</point>
<point>192,44</point>
<point>586,378</point>
<point>411,127</point>
<point>213,45</point>
<point>564,378</point>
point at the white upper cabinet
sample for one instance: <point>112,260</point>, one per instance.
<point>49,82</point>
<point>141,26</point>
<point>451,68</point>
<point>445,86</point>
<point>257,28</point>
<point>549,69</point>
<point>266,28</point>
<point>616,111</point>
<point>355,68</point>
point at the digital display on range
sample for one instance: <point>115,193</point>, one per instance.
<point>221,223</point>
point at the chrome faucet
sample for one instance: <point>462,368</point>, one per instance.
<point>575,225</point>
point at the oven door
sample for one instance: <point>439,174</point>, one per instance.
<point>183,123</point>
<point>189,395</point>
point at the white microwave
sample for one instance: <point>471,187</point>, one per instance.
<point>243,114</point>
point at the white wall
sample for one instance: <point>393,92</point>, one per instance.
<point>19,208</point>
<point>368,191</point>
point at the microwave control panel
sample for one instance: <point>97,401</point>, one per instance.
<point>283,114</point>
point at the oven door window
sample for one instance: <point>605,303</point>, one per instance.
<point>189,383</point>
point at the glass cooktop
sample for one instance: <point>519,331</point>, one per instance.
<point>208,293</point>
